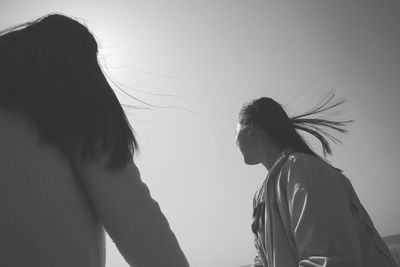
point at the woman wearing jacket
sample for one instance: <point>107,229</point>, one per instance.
<point>306,213</point>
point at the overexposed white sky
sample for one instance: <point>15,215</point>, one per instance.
<point>212,56</point>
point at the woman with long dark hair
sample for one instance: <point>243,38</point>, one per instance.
<point>66,157</point>
<point>306,212</point>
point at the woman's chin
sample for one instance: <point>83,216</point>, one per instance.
<point>250,161</point>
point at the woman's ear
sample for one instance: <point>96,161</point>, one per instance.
<point>250,129</point>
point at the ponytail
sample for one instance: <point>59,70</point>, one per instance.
<point>320,127</point>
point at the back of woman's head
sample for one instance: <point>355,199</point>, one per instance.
<point>272,118</point>
<point>49,71</point>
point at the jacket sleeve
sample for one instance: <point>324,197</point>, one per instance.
<point>257,259</point>
<point>320,217</point>
<point>129,214</point>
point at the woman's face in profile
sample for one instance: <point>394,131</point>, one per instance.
<point>246,142</point>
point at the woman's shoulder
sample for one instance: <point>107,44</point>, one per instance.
<point>300,159</point>
<point>16,124</point>
<point>306,168</point>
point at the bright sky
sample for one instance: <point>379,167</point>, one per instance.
<point>212,56</point>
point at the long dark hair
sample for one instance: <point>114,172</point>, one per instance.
<point>271,116</point>
<point>49,71</point>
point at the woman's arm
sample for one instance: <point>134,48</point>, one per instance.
<point>320,216</point>
<point>131,217</point>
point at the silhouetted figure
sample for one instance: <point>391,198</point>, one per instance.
<point>306,212</point>
<point>66,165</point>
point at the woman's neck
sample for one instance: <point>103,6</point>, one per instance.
<point>271,154</point>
